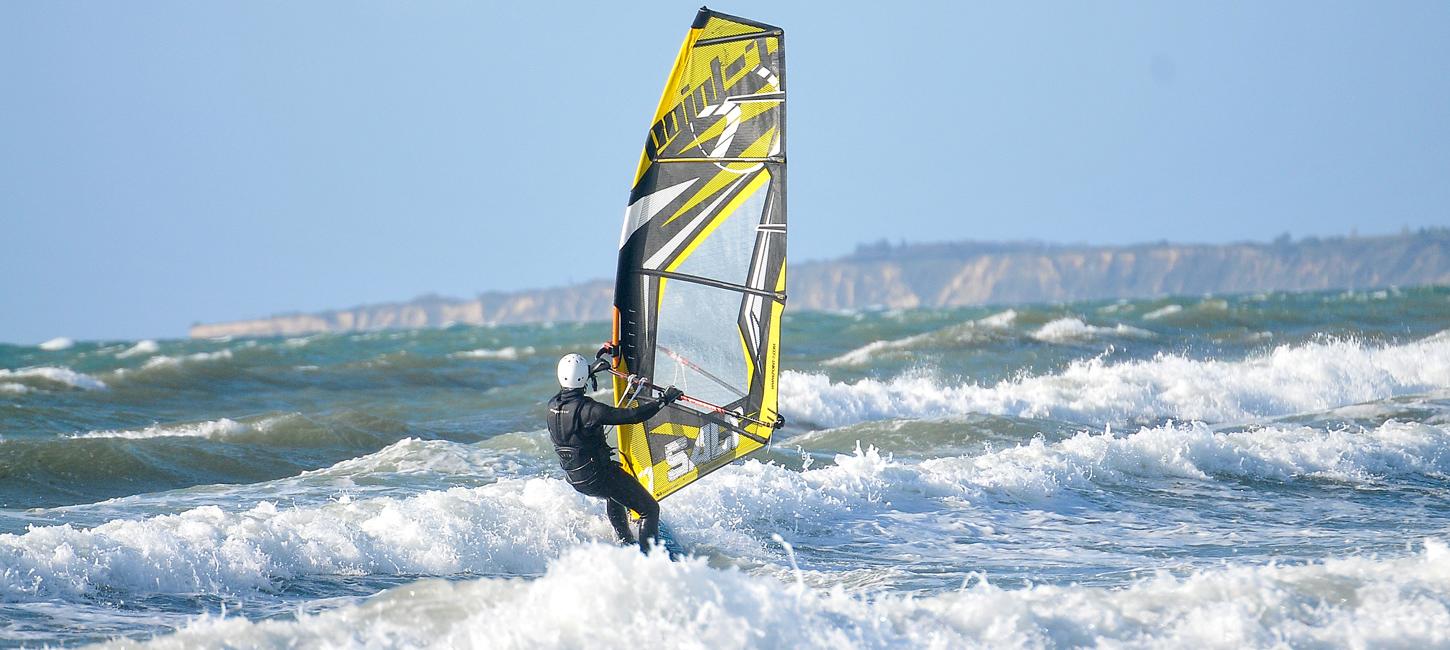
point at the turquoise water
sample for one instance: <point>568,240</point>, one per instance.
<point>1245,470</point>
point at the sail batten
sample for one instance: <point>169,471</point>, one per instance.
<point>771,159</point>
<point>701,279</point>
<point>714,283</point>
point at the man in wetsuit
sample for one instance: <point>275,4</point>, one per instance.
<point>576,427</point>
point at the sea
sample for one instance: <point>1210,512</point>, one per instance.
<point>1267,470</point>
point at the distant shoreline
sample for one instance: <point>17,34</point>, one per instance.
<point>953,274</point>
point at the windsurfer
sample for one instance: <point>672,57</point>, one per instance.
<point>576,427</point>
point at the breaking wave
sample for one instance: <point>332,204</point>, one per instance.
<point>518,524</point>
<point>57,344</point>
<point>509,353</point>
<point>1287,380</point>
<point>50,377</point>
<point>1067,330</point>
<point>87,466</point>
<point>210,429</point>
<point>513,525</point>
<point>761,495</point>
<point>141,347</point>
<point>172,362</point>
<point>1166,310</point>
<point>1194,451</point>
<point>978,330</point>
<point>412,456</point>
<point>1351,601</point>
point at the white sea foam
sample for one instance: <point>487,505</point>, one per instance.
<point>172,362</point>
<point>1289,379</point>
<point>212,429</point>
<point>516,525</point>
<point>12,387</point>
<point>1040,469</point>
<point>49,376</point>
<point>747,501</point>
<point>1166,310</point>
<point>1351,602</point>
<point>971,330</point>
<point>142,347</point>
<point>513,525</point>
<point>1067,330</point>
<point>509,353</point>
<point>510,526</point>
<point>56,344</point>
<point>999,320</point>
<point>864,354</point>
<point>758,494</point>
<point>414,456</point>
<point>1120,305</point>
<point>1366,296</point>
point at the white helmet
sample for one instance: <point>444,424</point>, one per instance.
<point>573,371</point>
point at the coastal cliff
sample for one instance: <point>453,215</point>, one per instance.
<point>955,274</point>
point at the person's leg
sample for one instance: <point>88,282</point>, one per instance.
<point>603,485</point>
<point>619,518</point>
<point>628,493</point>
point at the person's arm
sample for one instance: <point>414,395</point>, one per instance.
<point>609,415</point>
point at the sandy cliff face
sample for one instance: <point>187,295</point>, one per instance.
<point>590,301</point>
<point>944,275</point>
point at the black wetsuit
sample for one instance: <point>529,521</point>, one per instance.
<point>576,427</point>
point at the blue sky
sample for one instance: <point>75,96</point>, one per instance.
<point>163,163</point>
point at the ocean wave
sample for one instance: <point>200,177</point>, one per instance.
<point>969,332</point>
<point>56,344</point>
<point>922,438</point>
<point>1194,451</point>
<point>172,362</point>
<point>1364,296</point>
<point>517,522</point>
<point>413,456</point>
<point>509,353</point>
<point>999,320</point>
<point>1166,310</point>
<point>291,430</point>
<point>406,467</point>
<point>51,377</point>
<point>141,347</point>
<point>198,369</point>
<point>209,429</point>
<point>1069,330</point>
<point>88,466</point>
<point>513,525</point>
<point>864,354</point>
<point>1350,601</point>
<point>757,497</point>
<point>14,388</point>
<point>749,501</point>
<point>1287,380</point>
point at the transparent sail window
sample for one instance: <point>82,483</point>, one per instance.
<point>698,342</point>
<point>725,254</point>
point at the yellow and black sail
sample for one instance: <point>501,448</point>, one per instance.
<point>701,281</point>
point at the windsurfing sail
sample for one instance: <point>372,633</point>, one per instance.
<point>700,287</point>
